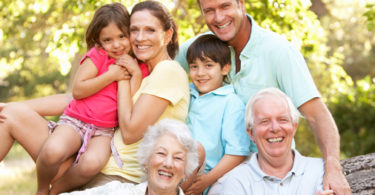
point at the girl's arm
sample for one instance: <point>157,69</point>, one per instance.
<point>87,83</point>
<point>134,119</point>
<point>227,163</point>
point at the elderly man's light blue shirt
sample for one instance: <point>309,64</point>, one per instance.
<point>268,60</point>
<point>306,177</point>
<point>216,120</point>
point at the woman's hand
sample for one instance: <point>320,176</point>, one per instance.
<point>130,64</point>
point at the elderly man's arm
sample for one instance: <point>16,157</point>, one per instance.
<point>327,136</point>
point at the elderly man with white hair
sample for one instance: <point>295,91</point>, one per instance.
<point>271,122</point>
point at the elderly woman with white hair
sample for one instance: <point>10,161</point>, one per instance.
<point>271,121</point>
<point>167,154</point>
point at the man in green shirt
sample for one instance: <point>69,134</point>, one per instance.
<point>261,59</point>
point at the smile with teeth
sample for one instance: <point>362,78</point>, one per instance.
<point>142,47</point>
<point>223,26</point>
<point>163,173</point>
<point>276,139</point>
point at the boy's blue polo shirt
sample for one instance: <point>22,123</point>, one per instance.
<point>216,120</point>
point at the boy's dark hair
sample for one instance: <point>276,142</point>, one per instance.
<point>209,46</point>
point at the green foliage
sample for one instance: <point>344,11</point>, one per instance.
<point>370,15</point>
<point>354,112</point>
<point>188,18</point>
<point>348,35</point>
<point>39,41</point>
<point>305,140</point>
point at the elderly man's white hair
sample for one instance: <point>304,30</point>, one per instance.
<point>177,129</point>
<point>249,115</point>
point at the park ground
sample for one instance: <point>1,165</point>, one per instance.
<point>17,173</point>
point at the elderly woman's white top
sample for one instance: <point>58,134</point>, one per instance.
<point>116,188</point>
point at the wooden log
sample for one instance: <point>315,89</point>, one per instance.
<point>360,173</point>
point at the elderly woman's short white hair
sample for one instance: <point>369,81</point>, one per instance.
<point>175,128</point>
<point>249,115</point>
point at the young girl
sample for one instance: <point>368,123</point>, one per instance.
<point>216,114</point>
<point>88,122</point>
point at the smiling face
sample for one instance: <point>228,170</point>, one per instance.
<point>273,129</point>
<point>224,17</point>
<point>207,75</point>
<point>166,166</point>
<point>114,41</point>
<point>148,38</point>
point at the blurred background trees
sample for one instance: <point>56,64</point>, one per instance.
<point>43,40</point>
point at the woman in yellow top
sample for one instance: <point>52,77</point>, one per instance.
<point>163,94</point>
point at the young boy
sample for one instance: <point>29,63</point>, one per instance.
<point>216,114</point>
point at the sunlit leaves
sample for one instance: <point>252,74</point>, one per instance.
<point>46,35</point>
<point>348,34</point>
<point>370,14</point>
<point>188,16</point>
<point>354,111</point>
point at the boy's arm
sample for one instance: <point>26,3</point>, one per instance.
<point>227,163</point>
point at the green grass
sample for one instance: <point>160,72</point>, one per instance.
<point>17,173</point>
<point>20,183</point>
<point>16,152</point>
